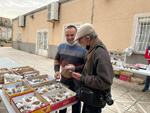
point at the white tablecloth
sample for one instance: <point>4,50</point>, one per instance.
<point>140,71</point>
<point>6,103</point>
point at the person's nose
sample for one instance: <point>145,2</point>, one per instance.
<point>70,36</point>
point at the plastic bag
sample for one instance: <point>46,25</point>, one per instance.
<point>129,51</point>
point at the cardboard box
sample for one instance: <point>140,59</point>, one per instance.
<point>43,109</point>
<point>29,80</point>
<point>126,73</point>
<point>24,68</point>
<point>8,78</point>
<point>44,87</point>
<point>63,103</point>
<point>137,80</point>
<point>9,85</point>
<point>2,72</point>
<point>125,78</point>
<point>116,72</point>
<point>25,71</point>
<point>26,74</point>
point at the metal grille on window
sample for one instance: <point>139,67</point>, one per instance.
<point>142,38</point>
<point>45,40</point>
<point>39,40</point>
<point>19,36</point>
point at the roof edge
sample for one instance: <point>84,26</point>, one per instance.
<point>39,9</point>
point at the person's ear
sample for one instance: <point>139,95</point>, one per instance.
<point>88,38</point>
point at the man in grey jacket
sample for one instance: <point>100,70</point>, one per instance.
<point>97,72</point>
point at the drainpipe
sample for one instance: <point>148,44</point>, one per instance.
<point>12,35</point>
<point>27,36</point>
<point>92,13</point>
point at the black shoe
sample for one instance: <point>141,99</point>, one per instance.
<point>144,89</point>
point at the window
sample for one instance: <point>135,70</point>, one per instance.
<point>142,34</point>
<point>42,39</point>
<point>19,36</point>
<point>39,40</point>
<point>45,40</point>
<point>77,26</point>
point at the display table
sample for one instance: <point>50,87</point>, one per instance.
<point>140,71</point>
<point>8,63</point>
<point>6,103</point>
<point>11,110</point>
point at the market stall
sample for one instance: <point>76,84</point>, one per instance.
<point>23,89</point>
<point>145,72</point>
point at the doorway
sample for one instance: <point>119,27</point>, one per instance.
<point>42,43</point>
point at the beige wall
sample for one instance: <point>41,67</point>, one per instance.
<point>15,29</point>
<point>113,21</point>
<point>71,13</point>
<point>39,22</point>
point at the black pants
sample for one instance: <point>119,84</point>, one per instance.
<point>91,109</point>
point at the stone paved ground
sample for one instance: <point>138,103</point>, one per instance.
<point>128,96</point>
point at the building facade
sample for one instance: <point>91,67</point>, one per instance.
<point>5,32</point>
<point>5,21</point>
<point>5,28</point>
<point>119,24</point>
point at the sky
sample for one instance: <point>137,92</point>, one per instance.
<point>13,8</point>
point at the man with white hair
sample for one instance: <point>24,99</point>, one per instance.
<point>97,74</point>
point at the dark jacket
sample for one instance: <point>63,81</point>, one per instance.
<point>100,73</point>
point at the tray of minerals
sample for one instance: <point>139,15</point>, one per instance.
<point>12,78</point>
<point>130,66</point>
<point>26,74</point>
<point>116,63</point>
<point>25,71</point>
<point>2,72</point>
<point>49,87</point>
<point>15,88</point>
<point>30,103</point>
<point>24,68</point>
<point>142,66</point>
<point>60,98</point>
<point>38,80</point>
